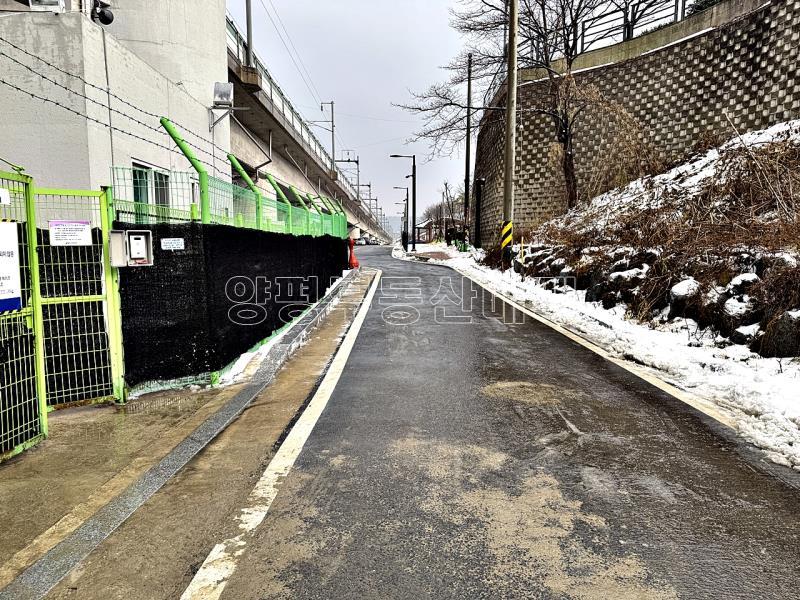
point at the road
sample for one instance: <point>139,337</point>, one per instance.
<point>465,452</point>
<point>497,460</point>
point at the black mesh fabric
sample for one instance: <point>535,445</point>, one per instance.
<point>198,309</point>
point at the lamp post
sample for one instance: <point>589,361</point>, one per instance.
<point>413,158</point>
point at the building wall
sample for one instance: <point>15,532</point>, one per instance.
<point>40,136</point>
<point>63,149</point>
<point>744,70</point>
<point>185,40</point>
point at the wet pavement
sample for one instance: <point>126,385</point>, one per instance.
<point>497,459</point>
<point>466,452</point>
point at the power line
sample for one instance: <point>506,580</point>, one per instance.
<point>289,52</point>
<point>91,119</point>
<point>296,51</point>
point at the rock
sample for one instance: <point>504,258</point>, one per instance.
<point>680,298</point>
<point>596,292</point>
<point>557,265</point>
<point>610,300</point>
<point>741,284</point>
<point>684,290</point>
<point>631,277</point>
<point>745,334</point>
<point>782,337</point>
<point>738,311</point>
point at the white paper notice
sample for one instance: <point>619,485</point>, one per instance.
<point>10,284</point>
<point>173,244</point>
<point>70,233</point>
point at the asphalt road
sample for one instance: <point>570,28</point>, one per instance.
<point>462,456</point>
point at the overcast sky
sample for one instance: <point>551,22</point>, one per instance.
<point>364,55</point>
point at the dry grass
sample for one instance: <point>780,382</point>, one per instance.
<point>750,206</point>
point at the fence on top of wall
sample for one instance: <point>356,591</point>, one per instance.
<point>147,196</point>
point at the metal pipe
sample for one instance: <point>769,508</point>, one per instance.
<point>246,178</point>
<point>202,174</point>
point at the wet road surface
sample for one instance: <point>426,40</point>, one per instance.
<point>492,459</point>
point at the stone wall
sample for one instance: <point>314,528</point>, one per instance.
<point>744,69</point>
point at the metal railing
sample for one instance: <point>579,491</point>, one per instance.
<point>616,21</point>
<point>623,21</point>
<point>237,45</point>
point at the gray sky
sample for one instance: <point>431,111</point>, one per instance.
<point>364,55</point>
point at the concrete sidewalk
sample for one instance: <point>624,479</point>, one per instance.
<point>95,453</point>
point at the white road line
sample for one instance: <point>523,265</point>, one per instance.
<point>704,406</point>
<point>219,566</point>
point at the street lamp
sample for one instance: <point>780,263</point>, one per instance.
<point>413,158</point>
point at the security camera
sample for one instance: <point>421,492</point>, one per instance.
<point>101,13</point>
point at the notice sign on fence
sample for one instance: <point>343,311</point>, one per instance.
<point>173,244</point>
<point>5,197</point>
<point>70,233</point>
<point>10,285</point>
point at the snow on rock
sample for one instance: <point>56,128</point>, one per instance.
<point>741,283</point>
<point>745,334</point>
<point>630,274</point>
<point>682,291</point>
<point>734,307</point>
<point>761,395</point>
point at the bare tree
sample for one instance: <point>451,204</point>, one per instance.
<point>550,40</point>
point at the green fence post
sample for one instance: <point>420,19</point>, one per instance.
<point>36,302</point>
<point>243,174</point>
<point>284,199</point>
<point>319,212</point>
<point>202,174</point>
<point>342,216</point>
<point>113,302</point>
<point>305,208</point>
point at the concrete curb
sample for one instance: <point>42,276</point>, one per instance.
<point>40,577</point>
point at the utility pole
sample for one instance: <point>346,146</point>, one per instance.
<point>507,231</point>
<point>332,122</point>
<point>405,218</point>
<point>249,9</point>
<point>413,158</point>
<point>469,142</point>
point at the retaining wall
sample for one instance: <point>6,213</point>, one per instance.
<point>683,82</point>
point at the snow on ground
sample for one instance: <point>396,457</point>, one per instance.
<point>762,395</point>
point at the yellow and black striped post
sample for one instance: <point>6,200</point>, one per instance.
<point>506,239</point>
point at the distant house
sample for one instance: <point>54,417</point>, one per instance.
<point>431,230</point>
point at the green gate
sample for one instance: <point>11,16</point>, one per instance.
<point>61,341</point>
<point>78,299</point>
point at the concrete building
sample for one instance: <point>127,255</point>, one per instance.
<point>79,101</point>
<point>82,104</point>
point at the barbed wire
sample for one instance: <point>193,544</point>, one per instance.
<point>112,94</point>
<point>91,119</point>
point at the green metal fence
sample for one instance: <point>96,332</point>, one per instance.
<point>213,200</point>
<point>60,328</point>
<point>74,293</point>
<point>148,196</point>
<point>23,409</point>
